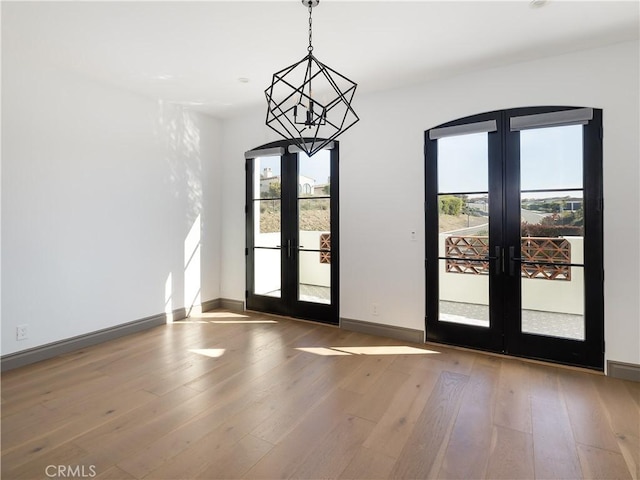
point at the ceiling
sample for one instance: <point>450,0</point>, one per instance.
<point>195,53</point>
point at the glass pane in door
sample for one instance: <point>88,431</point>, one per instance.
<point>314,227</point>
<point>267,272</point>
<point>463,224</point>
<point>552,232</point>
<point>267,226</point>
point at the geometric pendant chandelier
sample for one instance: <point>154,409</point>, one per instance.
<point>308,102</point>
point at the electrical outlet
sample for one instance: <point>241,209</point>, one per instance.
<point>374,309</point>
<point>413,236</point>
<point>21,332</point>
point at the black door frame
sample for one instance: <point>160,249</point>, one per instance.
<point>481,338</point>
<point>289,304</point>
<point>504,334</point>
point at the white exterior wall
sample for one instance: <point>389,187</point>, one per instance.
<point>267,262</point>
<point>312,272</point>
<point>382,182</point>
<point>562,296</point>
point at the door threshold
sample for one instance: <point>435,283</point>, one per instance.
<point>285,317</point>
<point>524,359</point>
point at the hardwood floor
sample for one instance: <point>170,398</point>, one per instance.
<point>225,395</point>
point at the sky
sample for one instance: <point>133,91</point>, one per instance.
<point>550,158</point>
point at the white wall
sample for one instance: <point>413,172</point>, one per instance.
<point>382,187</point>
<point>101,190</point>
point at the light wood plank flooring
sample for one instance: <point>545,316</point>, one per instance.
<point>224,395</point>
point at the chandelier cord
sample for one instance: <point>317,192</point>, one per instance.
<point>310,47</point>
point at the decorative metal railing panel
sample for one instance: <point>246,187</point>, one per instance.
<point>463,254</point>
<point>325,246</point>
<point>466,249</point>
<point>551,250</point>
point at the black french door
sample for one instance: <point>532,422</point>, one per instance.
<point>292,232</point>
<point>514,234</point>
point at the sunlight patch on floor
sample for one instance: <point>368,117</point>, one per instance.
<point>375,350</point>
<point>241,321</point>
<point>325,352</point>
<point>221,315</point>
<point>221,318</point>
<point>208,352</point>
<point>386,350</point>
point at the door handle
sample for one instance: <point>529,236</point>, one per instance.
<point>288,247</point>
<point>512,261</point>
<point>497,258</point>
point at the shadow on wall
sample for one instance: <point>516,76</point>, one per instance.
<point>178,130</point>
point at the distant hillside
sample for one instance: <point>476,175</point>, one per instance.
<point>311,220</point>
<point>448,223</point>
